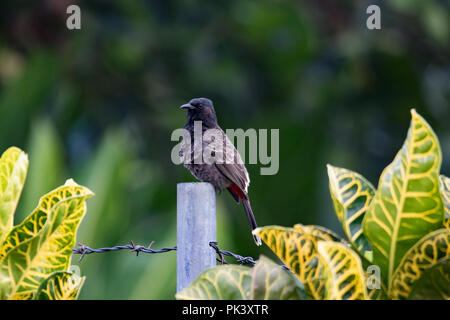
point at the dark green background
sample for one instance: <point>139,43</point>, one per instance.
<point>99,105</point>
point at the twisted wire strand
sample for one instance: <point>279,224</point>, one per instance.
<point>83,250</point>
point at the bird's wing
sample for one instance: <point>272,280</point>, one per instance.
<point>234,170</point>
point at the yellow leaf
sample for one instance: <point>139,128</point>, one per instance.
<point>425,254</point>
<point>318,232</point>
<point>351,194</point>
<point>445,192</point>
<point>13,171</point>
<point>60,286</point>
<point>347,281</point>
<point>43,242</point>
<point>293,247</point>
<point>298,250</point>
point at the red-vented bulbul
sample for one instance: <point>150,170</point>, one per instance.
<point>231,175</point>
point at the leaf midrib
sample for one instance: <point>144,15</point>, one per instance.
<point>409,147</point>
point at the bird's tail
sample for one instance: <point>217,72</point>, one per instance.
<point>251,219</point>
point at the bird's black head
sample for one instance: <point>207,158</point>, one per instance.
<point>201,109</point>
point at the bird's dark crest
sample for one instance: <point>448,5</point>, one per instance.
<point>201,109</point>
<point>202,102</point>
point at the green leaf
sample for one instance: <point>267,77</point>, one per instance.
<point>229,282</point>
<point>271,282</point>
<point>431,250</point>
<point>60,286</point>
<point>13,171</point>
<point>434,284</point>
<point>407,204</point>
<point>445,192</point>
<point>351,194</point>
<point>347,280</point>
<point>43,242</point>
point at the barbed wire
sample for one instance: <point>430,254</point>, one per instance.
<point>84,250</point>
<point>222,253</point>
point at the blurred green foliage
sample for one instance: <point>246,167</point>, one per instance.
<point>99,105</point>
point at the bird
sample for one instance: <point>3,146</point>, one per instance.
<point>230,175</point>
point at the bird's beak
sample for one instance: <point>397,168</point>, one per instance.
<point>187,106</point>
